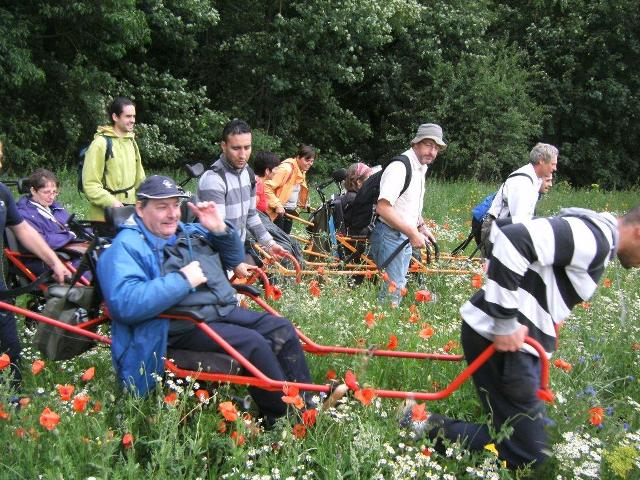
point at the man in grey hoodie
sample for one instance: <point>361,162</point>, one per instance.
<point>230,184</point>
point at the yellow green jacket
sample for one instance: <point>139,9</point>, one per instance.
<point>123,170</point>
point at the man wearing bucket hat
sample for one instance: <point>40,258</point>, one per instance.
<point>400,212</point>
<point>157,262</point>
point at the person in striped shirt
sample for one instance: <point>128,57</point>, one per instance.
<point>538,271</point>
<point>231,185</point>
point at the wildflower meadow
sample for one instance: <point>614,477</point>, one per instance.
<point>73,422</point>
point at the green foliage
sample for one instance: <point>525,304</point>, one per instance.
<point>353,78</point>
<point>589,82</point>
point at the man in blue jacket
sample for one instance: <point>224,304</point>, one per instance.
<point>146,271</point>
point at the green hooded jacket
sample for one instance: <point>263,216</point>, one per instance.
<point>122,171</point>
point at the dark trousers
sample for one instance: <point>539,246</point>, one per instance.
<point>268,342</point>
<point>285,223</point>
<point>507,386</point>
<point>9,341</point>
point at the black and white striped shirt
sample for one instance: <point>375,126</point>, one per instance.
<point>539,270</point>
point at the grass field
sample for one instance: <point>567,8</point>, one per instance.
<point>119,437</point>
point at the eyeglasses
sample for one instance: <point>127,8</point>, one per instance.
<point>48,193</point>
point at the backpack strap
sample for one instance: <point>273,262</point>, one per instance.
<point>407,165</point>
<point>220,170</point>
<point>288,178</point>
<point>515,174</point>
<point>109,154</point>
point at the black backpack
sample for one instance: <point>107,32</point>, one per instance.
<point>361,213</point>
<point>108,153</point>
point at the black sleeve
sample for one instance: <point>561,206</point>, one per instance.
<point>13,215</point>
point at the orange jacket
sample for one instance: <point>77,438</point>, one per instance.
<point>278,189</point>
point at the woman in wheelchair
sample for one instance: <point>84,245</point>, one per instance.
<point>49,218</point>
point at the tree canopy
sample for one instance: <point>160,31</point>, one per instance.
<point>353,78</point>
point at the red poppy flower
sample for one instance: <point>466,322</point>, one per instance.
<point>24,401</point>
<point>365,395</point>
<point>476,281</point>
<point>65,392</point>
<point>606,283</point>
<point>274,293</point>
<point>450,345</point>
<point>309,417</point>
<point>351,381</point>
<point>393,342</point>
<point>385,276</point>
<point>419,412</point>
<point>413,308</point>
<point>314,288</point>
<point>426,452</point>
<point>222,426</point>
<point>392,287</point>
<point>368,274</point>
<point>171,399</point>
<point>370,319</point>
<point>228,411</point>
<point>3,415</point>
<point>127,440</point>
<point>403,292</point>
<point>331,374</point>
<point>423,296</point>
<point>37,366</point>
<point>561,364</point>
<point>97,406</point>
<point>292,397</point>
<point>5,361</point>
<point>426,332</point>
<point>49,419</point>
<point>80,403</point>
<point>88,374</point>
<point>202,395</point>
<point>299,431</point>
<point>237,438</point>
<point>414,317</point>
<point>320,270</point>
<point>20,432</point>
<point>586,305</point>
<point>596,415</point>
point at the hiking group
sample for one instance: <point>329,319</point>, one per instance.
<point>537,271</point>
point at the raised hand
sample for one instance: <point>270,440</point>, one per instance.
<point>209,216</point>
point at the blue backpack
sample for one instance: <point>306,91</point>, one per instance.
<point>480,210</point>
<point>479,213</point>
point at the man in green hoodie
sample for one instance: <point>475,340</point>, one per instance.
<point>110,178</point>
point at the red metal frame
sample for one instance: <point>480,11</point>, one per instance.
<point>14,257</point>
<point>259,379</point>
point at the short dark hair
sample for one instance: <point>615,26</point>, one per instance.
<point>235,127</point>
<point>117,106</point>
<point>41,177</point>
<point>263,161</point>
<point>632,216</point>
<point>306,151</point>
